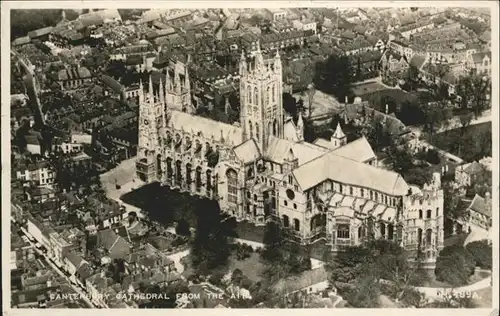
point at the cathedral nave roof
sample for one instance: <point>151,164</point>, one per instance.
<point>209,128</point>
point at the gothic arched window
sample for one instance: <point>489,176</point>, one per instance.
<point>257,132</point>
<point>286,221</point>
<point>256,95</point>
<point>250,129</point>
<point>249,91</point>
<point>232,186</point>
<point>274,93</point>
<point>296,224</point>
<point>268,95</point>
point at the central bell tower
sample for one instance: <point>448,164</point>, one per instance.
<point>261,98</point>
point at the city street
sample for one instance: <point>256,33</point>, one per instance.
<point>81,292</point>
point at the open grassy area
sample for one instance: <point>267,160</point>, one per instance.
<point>398,96</point>
<point>249,231</point>
<point>367,88</point>
<point>251,267</point>
<point>162,204</point>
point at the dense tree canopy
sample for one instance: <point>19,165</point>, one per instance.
<point>24,21</point>
<point>334,76</point>
<point>211,244</point>
<point>451,203</point>
<point>474,93</point>
<point>358,270</point>
<point>482,252</point>
<point>454,265</point>
<point>284,256</point>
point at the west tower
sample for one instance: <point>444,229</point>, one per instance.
<point>151,121</point>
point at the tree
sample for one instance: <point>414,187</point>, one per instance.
<point>334,76</point>
<point>284,256</point>
<point>310,97</point>
<point>237,276</point>
<point>454,265</point>
<point>451,203</point>
<point>24,21</point>
<point>358,270</point>
<point>412,78</point>
<point>182,228</point>
<point>399,158</point>
<point>377,134</point>
<point>436,115</point>
<point>211,245</point>
<point>290,104</point>
<point>473,93</point>
<point>482,252</point>
<point>481,184</point>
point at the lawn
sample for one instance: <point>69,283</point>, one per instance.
<point>398,96</point>
<point>251,267</point>
<point>367,88</point>
<point>162,204</point>
<point>249,231</point>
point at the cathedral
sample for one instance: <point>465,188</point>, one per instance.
<point>261,168</point>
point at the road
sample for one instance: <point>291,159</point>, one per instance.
<point>31,85</point>
<point>81,292</point>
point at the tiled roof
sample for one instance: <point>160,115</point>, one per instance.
<point>75,259</point>
<point>91,19</point>
<point>358,150</point>
<point>417,61</point>
<point>323,143</point>
<point>473,168</point>
<point>73,73</point>
<point>360,29</point>
<point>31,140</point>
<point>40,32</point>
<point>279,149</point>
<point>336,168</point>
<point>21,40</point>
<point>247,151</point>
<point>290,129</point>
<point>208,128</point>
<point>112,83</point>
<point>479,205</point>
<point>478,57</point>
